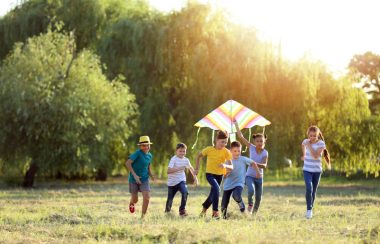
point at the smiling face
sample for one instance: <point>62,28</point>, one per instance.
<point>313,136</point>
<point>221,143</point>
<point>181,152</point>
<point>236,152</point>
<point>259,142</point>
<point>145,148</point>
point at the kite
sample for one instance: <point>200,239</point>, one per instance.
<point>222,118</point>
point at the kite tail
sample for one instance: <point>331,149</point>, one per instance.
<point>195,143</point>
<point>213,137</point>
<point>249,140</point>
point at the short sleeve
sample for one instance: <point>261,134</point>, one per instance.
<point>171,163</point>
<point>205,151</point>
<point>188,164</point>
<point>248,161</point>
<point>305,141</point>
<point>322,144</point>
<point>251,147</point>
<point>134,155</point>
<point>228,155</point>
<point>266,153</point>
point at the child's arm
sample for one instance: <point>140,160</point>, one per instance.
<point>129,167</point>
<point>192,171</point>
<point>240,135</point>
<point>150,173</point>
<point>258,173</point>
<point>315,153</point>
<point>303,151</point>
<point>263,164</point>
<point>197,161</point>
<point>228,165</point>
<point>175,169</point>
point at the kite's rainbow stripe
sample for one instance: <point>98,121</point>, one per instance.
<point>222,117</point>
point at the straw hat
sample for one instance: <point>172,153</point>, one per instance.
<point>144,140</point>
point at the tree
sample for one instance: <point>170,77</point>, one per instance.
<point>59,112</point>
<point>366,67</point>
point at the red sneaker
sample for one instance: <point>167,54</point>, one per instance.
<point>131,208</point>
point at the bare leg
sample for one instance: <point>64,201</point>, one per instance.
<point>146,197</point>
<point>134,198</point>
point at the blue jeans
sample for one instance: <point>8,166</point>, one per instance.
<point>255,187</point>
<point>311,182</point>
<point>172,190</point>
<point>213,197</point>
<point>236,195</point>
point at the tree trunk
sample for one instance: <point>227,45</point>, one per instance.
<point>29,175</point>
<point>101,175</point>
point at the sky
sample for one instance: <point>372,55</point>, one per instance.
<point>328,30</point>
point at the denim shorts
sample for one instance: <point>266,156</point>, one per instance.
<point>135,188</point>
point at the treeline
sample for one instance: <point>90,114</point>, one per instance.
<point>138,71</point>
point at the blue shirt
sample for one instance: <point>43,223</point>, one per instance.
<point>140,165</point>
<point>237,175</point>
<point>258,158</point>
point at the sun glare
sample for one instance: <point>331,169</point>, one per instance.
<point>330,31</point>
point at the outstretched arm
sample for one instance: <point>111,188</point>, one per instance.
<point>197,162</point>
<point>263,164</point>
<point>192,171</point>
<point>240,135</point>
<point>227,165</point>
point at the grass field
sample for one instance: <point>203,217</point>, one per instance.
<point>98,212</point>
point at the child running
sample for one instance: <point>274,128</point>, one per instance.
<point>177,178</point>
<point>218,159</point>
<point>234,182</point>
<point>138,165</point>
<point>312,149</point>
<point>253,180</point>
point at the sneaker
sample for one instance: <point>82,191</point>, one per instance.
<point>183,213</point>
<point>250,208</point>
<point>215,215</point>
<point>309,214</point>
<point>131,208</point>
<point>203,213</point>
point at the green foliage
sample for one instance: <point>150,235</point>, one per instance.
<point>59,110</point>
<point>183,64</point>
<point>366,70</point>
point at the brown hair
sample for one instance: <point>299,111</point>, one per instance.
<point>235,144</point>
<point>258,135</point>
<point>221,135</point>
<point>180,145</point>
<point>315,129</point>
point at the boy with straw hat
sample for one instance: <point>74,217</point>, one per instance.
<point>138,165</point>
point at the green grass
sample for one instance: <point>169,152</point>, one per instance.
<point>98,212</point>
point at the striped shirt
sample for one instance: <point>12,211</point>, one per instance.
<point>311,164</point>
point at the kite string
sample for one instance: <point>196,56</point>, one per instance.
<point>213,136</point>
<point>249,140</point>
<point>195,143</point>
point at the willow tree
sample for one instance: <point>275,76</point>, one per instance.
<point>86,18</point>
<point>59,112</point>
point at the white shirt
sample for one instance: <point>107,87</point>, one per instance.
<point>310,164</point>
<point>176,177</point>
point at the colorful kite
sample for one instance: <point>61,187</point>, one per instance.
<point>222,118</point>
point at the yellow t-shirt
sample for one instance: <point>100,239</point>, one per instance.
<point>214,158</point>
